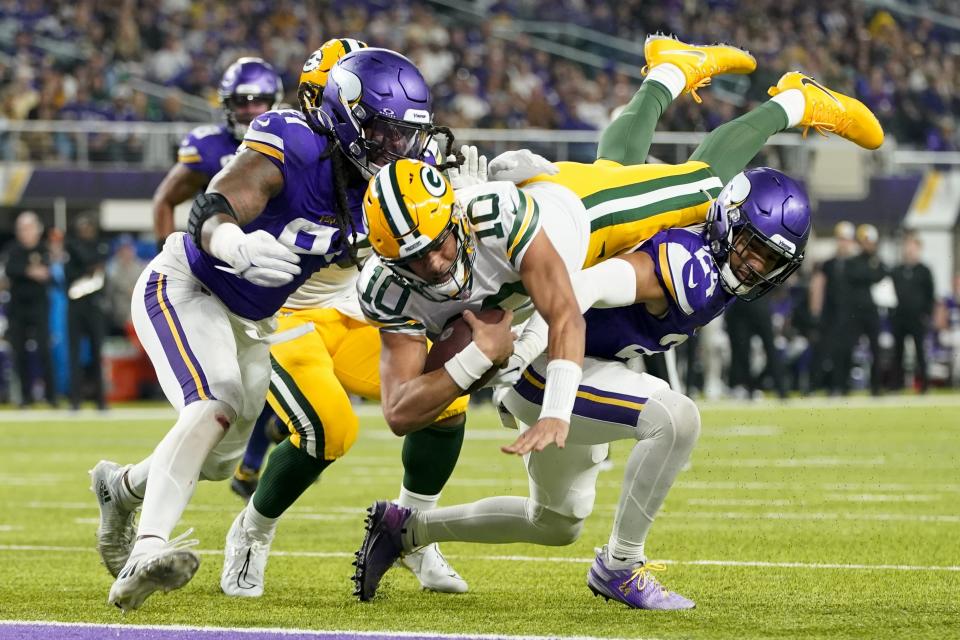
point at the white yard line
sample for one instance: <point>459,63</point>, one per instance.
<point>521,558</point>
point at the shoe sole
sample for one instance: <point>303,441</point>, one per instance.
<point>166,573</point>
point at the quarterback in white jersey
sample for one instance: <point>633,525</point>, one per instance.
<point>438,255</point>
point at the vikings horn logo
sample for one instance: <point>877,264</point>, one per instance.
<point>351,89</point>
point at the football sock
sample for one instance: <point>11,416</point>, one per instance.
<point>670,76</point>
<point>667,431</point>
<point>627,139</point>
<point>134,483</point>
<point>289,473</point>
<point>259,526</point>
<point>501,519</point>
<point>417,501</point>
<point>257,446</point>
<point>793,104</point>
<point>729,147</point>
<point>429,457</point>
<point>176,462</point>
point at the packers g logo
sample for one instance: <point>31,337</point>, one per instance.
<point>314,61</point>
<point>433,182</point>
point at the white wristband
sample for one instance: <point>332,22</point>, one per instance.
<point>468,366</point>
<point>560,392</point>
<point>224,241</point>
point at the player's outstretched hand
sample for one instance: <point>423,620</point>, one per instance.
<point>547,431</point>
<point>471,172</point>
<point>494,340</point>
<point>522,164</point>
<point>263,260</point>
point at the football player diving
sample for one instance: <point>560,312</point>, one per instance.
<point>663,284</point>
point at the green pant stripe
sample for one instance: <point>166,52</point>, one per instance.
<point>315,425</point>
<point>656,208</point>
<point>645,186</point>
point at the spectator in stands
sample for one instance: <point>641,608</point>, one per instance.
<point>85,281</point>
<point>28,270</point>
<point>913,282</point>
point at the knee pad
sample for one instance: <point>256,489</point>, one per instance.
<point>557,530</point>
<point>670,413</point>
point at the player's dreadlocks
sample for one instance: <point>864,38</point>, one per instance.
<point>344,220</point>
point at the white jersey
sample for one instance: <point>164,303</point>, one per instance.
<point>503,221</point>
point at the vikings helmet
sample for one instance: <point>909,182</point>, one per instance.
<point>248,80</point>
<point>410,210</point>
<point>378,107</point>
<point>313,76</point>
<point>764,212</point>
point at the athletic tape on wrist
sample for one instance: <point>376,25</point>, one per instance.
<point>468,366</point>
<point>560,391</point>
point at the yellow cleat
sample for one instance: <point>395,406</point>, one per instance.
<point>698,63</point>
<point>829,111</point>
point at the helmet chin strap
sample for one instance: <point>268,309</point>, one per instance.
<point>730,281</point>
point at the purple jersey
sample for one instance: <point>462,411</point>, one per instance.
<point>207,149</point>
<point>302,216</point>
<point>689,275</point>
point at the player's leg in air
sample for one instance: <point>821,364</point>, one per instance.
<point>628,201</point>
<point>247,474</point>
<point>311,380</point>
<point>186,333</point>
<point>622,405</point>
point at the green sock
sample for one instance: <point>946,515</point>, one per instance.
<point>429,457</point>
<point>627,139</point>
<point>289,473</point>
<point>729,147</point>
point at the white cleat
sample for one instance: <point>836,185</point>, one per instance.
<point>433,571</point>
<point>244,562</point>
<point>117,530</point>
<point>165,569</point>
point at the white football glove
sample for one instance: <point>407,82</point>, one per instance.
<point>520,165</point>
<point>509,374</point>
<point>257,257</point>
<point>472,172</point>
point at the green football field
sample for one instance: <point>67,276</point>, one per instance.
<point>806,519</point>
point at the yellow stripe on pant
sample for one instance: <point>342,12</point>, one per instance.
<point>313,375</point>
<point>627,204</point>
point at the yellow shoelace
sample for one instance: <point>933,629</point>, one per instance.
<point>641,576</point>
<point>820,120</point>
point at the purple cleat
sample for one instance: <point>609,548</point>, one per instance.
<point>635,586</point>
<point>381,547</point>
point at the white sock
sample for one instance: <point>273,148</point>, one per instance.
<point>175,465</point>
<point>670,76</point>
<point>258,525</point>
<point>418,501</point>
<point>793,104</point>
<point>134,483</point>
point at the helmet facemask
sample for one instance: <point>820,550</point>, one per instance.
<point>384,140</point>
<point>460,273</point>
<point>746,243</point>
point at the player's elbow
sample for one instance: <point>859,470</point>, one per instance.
<point>399,421</point>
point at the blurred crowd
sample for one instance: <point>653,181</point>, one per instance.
<point>76,59</point>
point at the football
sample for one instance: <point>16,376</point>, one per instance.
<point>454,337</point>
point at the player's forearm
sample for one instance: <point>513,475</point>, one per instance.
<point>566,337</point>
<point>162,219</point>
<point>417,403</point>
